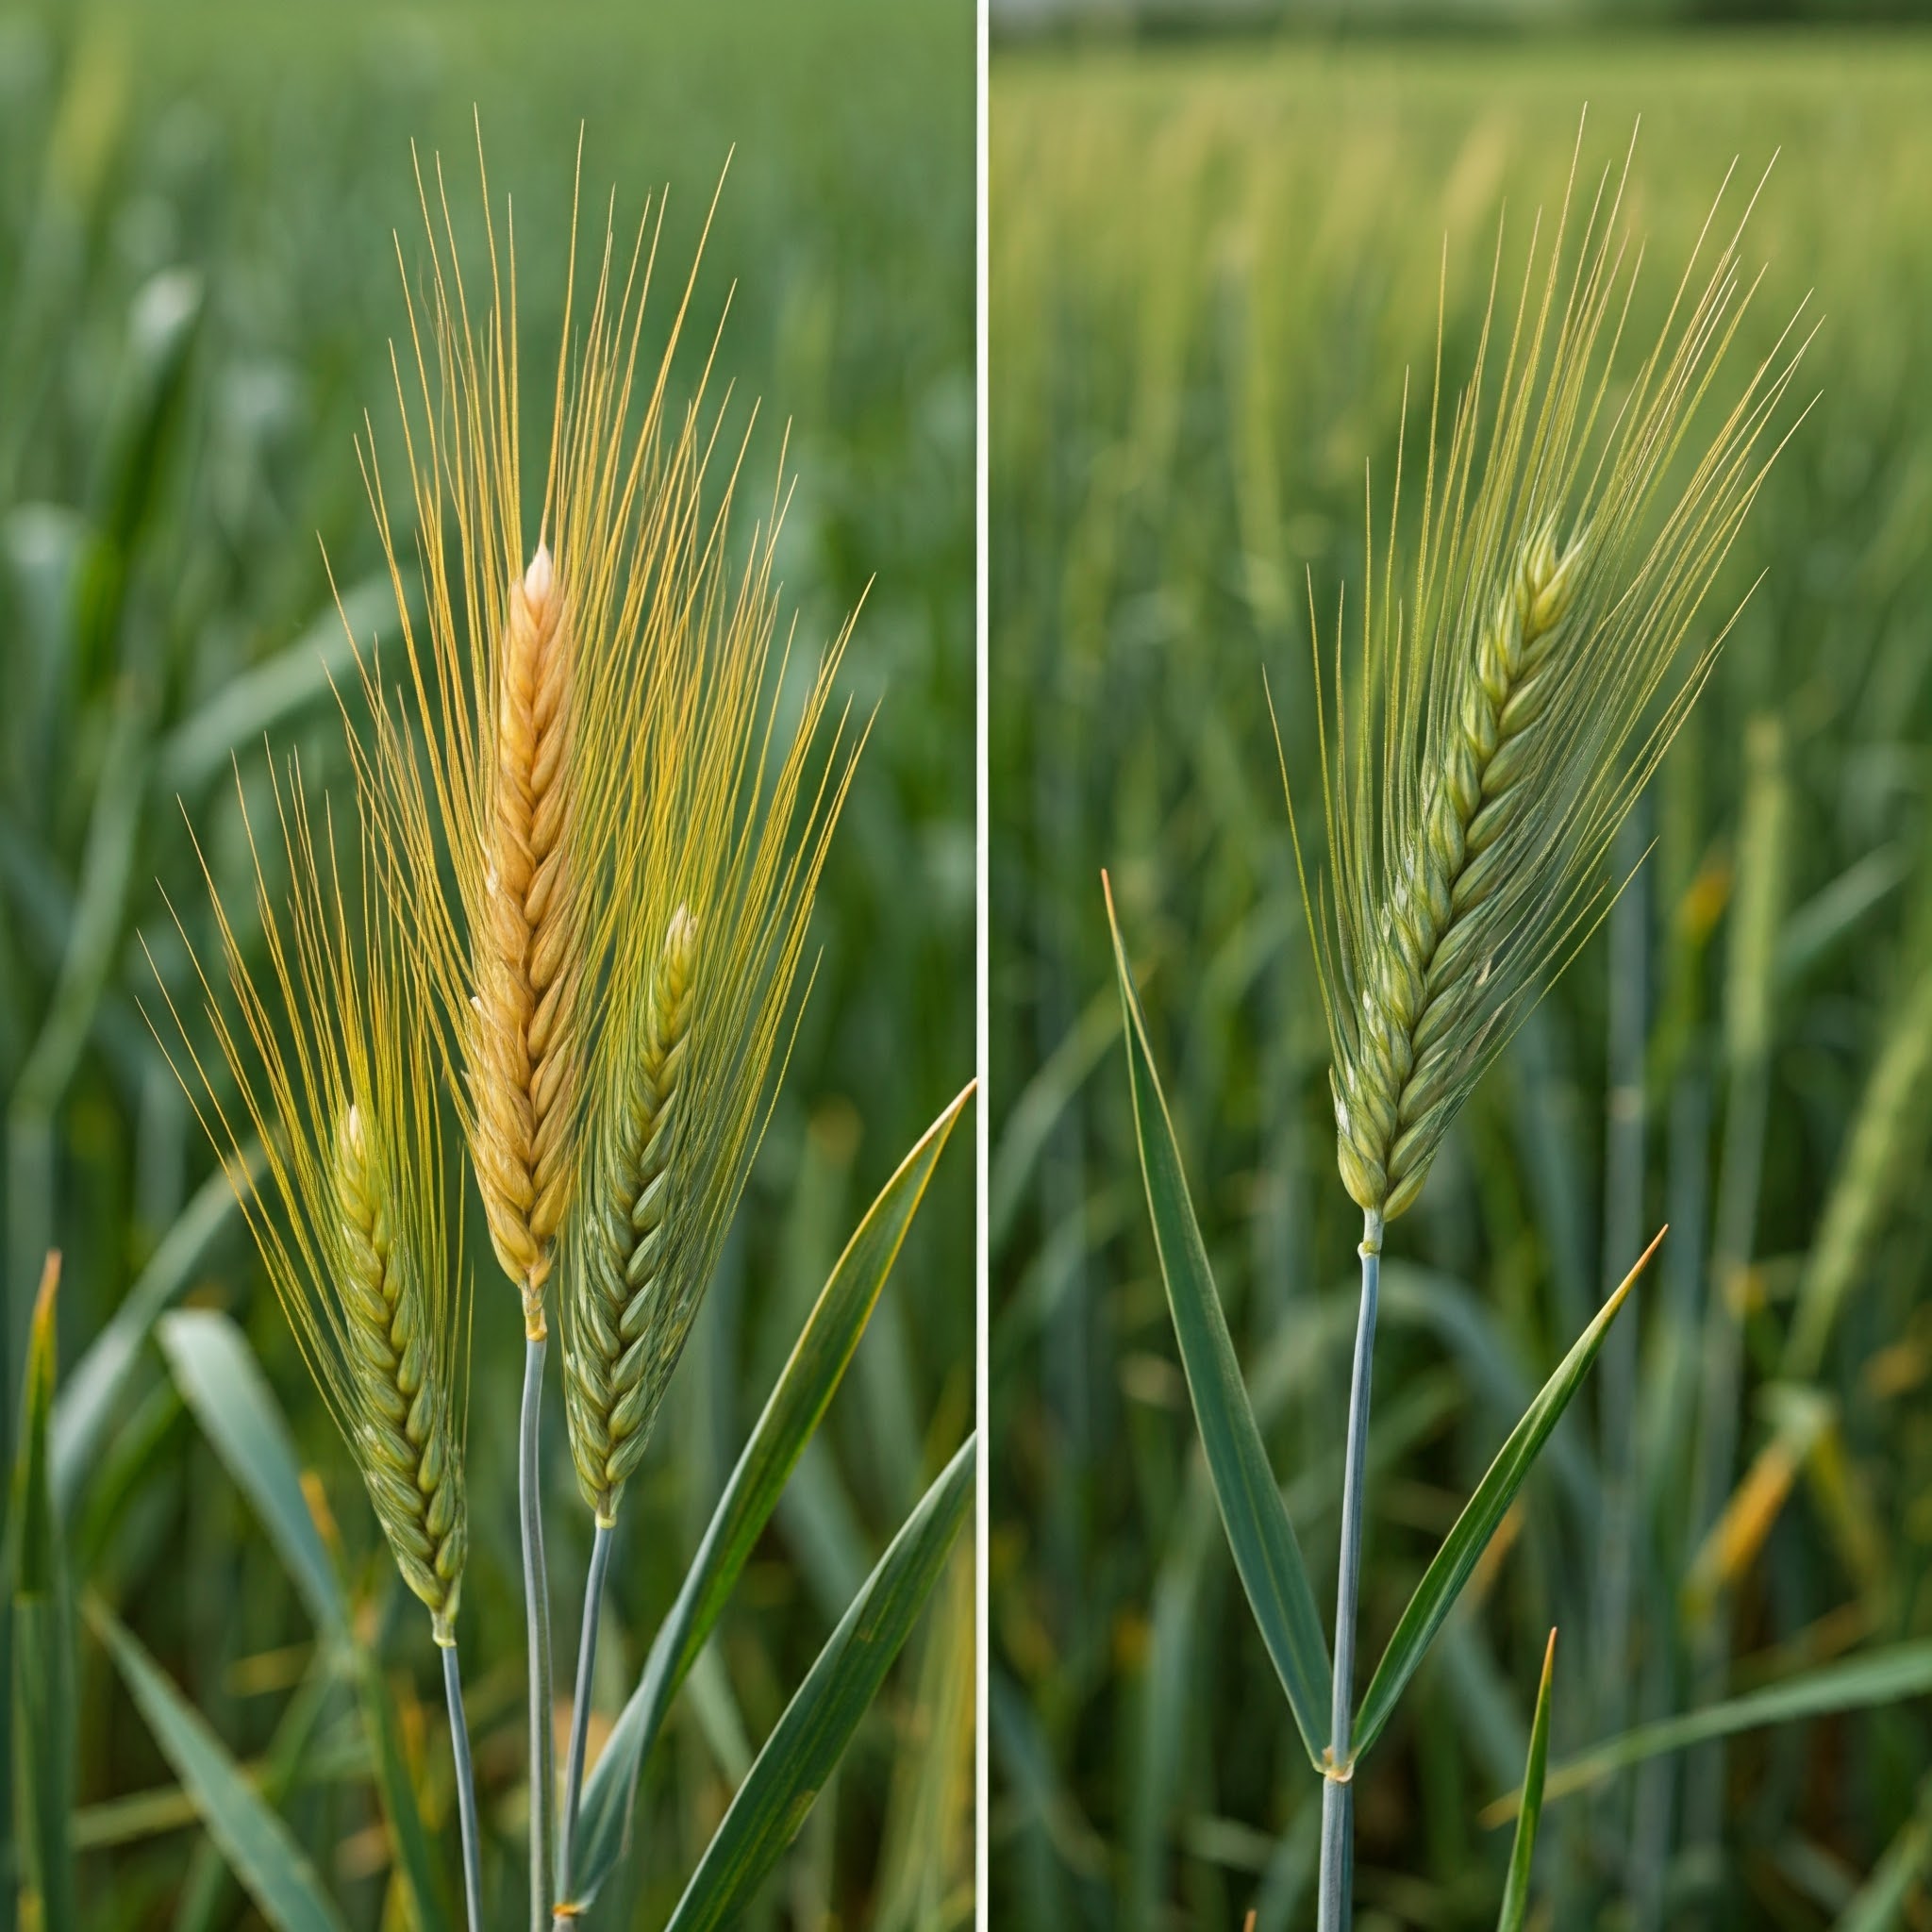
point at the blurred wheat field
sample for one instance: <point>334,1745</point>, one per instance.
<point>1211,269</point>
<point>198,283</point>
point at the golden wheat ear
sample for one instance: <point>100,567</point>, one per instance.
<point>523,1046</point>
<point>501,806</point>
<point>332,1058</point>
<point>1512,708</point>
<point>726,833</point>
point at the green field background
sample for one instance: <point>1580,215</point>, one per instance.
<point>1213,266</point>
<point>199,280</point>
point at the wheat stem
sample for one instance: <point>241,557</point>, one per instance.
<point>536,1624</point>
<point>466,1787</point>
<point>580,1711</point>
<point>1337,1787</point>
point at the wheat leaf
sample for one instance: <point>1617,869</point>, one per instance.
<point>1258,1530</point>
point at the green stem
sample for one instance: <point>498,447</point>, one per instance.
<point>1337,1787</point>
<point>466,1787</point>
<point>580,1708</point>
<point>537,1622</point>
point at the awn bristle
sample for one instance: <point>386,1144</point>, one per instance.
<point>336,1070</point>
<point>626,1240</point>
<point>1511,708</point>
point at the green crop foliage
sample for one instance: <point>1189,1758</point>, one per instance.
<point>198,283</point>
<point>1212,266</point>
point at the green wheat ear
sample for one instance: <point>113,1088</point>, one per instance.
<point>614,1379</point>
<point>722,837</point>
<point>336,1064</point>
<point>1508,711</point>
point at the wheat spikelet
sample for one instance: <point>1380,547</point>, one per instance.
<point>532,695</point>
<point>335,1065</point>
<point>1508,711</point>
<point>725,832</point>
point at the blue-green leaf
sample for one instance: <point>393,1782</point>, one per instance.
<point>1522,1852</point>
<point>1436,1594</point>
<point>223,1384</point>
<point>810,1739</point>
<point>1256,1520</point>
<point>91,1401</point>
<point>825,1347</point>
<point>272,1868</point>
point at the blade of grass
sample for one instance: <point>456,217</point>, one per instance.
<point>42,1663</point>
<point>1522,1852</point>
<point>269,694</point>
<point>1860,1683</point>
<point>802,1752</point>
<point>1880,1904</point>
<point>1435,1595</point>
<point>90,1402</point>
<point>272,1868</point>
<point>1258,1530</point>
<point>206,1902</point>
<point>223,1385</point>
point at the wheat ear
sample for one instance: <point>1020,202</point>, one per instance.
<point>726,828</point>
<point>1390,1098</point>
<point>335,1066</point>
<point>626,1237</point>
<point>1510,707</point>
<point>409,1456</point>
<point>529,955</point>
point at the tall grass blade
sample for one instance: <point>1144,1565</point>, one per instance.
<point>1258,1530</point>
<point>272,1868</point>
<point>1443,1582</point>
<point>818,1724</point>
<point>222,1383</point>
<point>1881,1154</point>
<point>42,1664</point>
<point>93,1397</point>
<point>1880,1904</point>
<point>1522,1852</point>
<point>1861,1683</point>
<point>207,1894</point>
<point>270,695</point>
<point>791,1416</point>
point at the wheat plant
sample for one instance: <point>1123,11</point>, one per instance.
<point>591,809</point>
<point>1481,744</point>
<point>536,678</point>
<point>333,1061</point>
